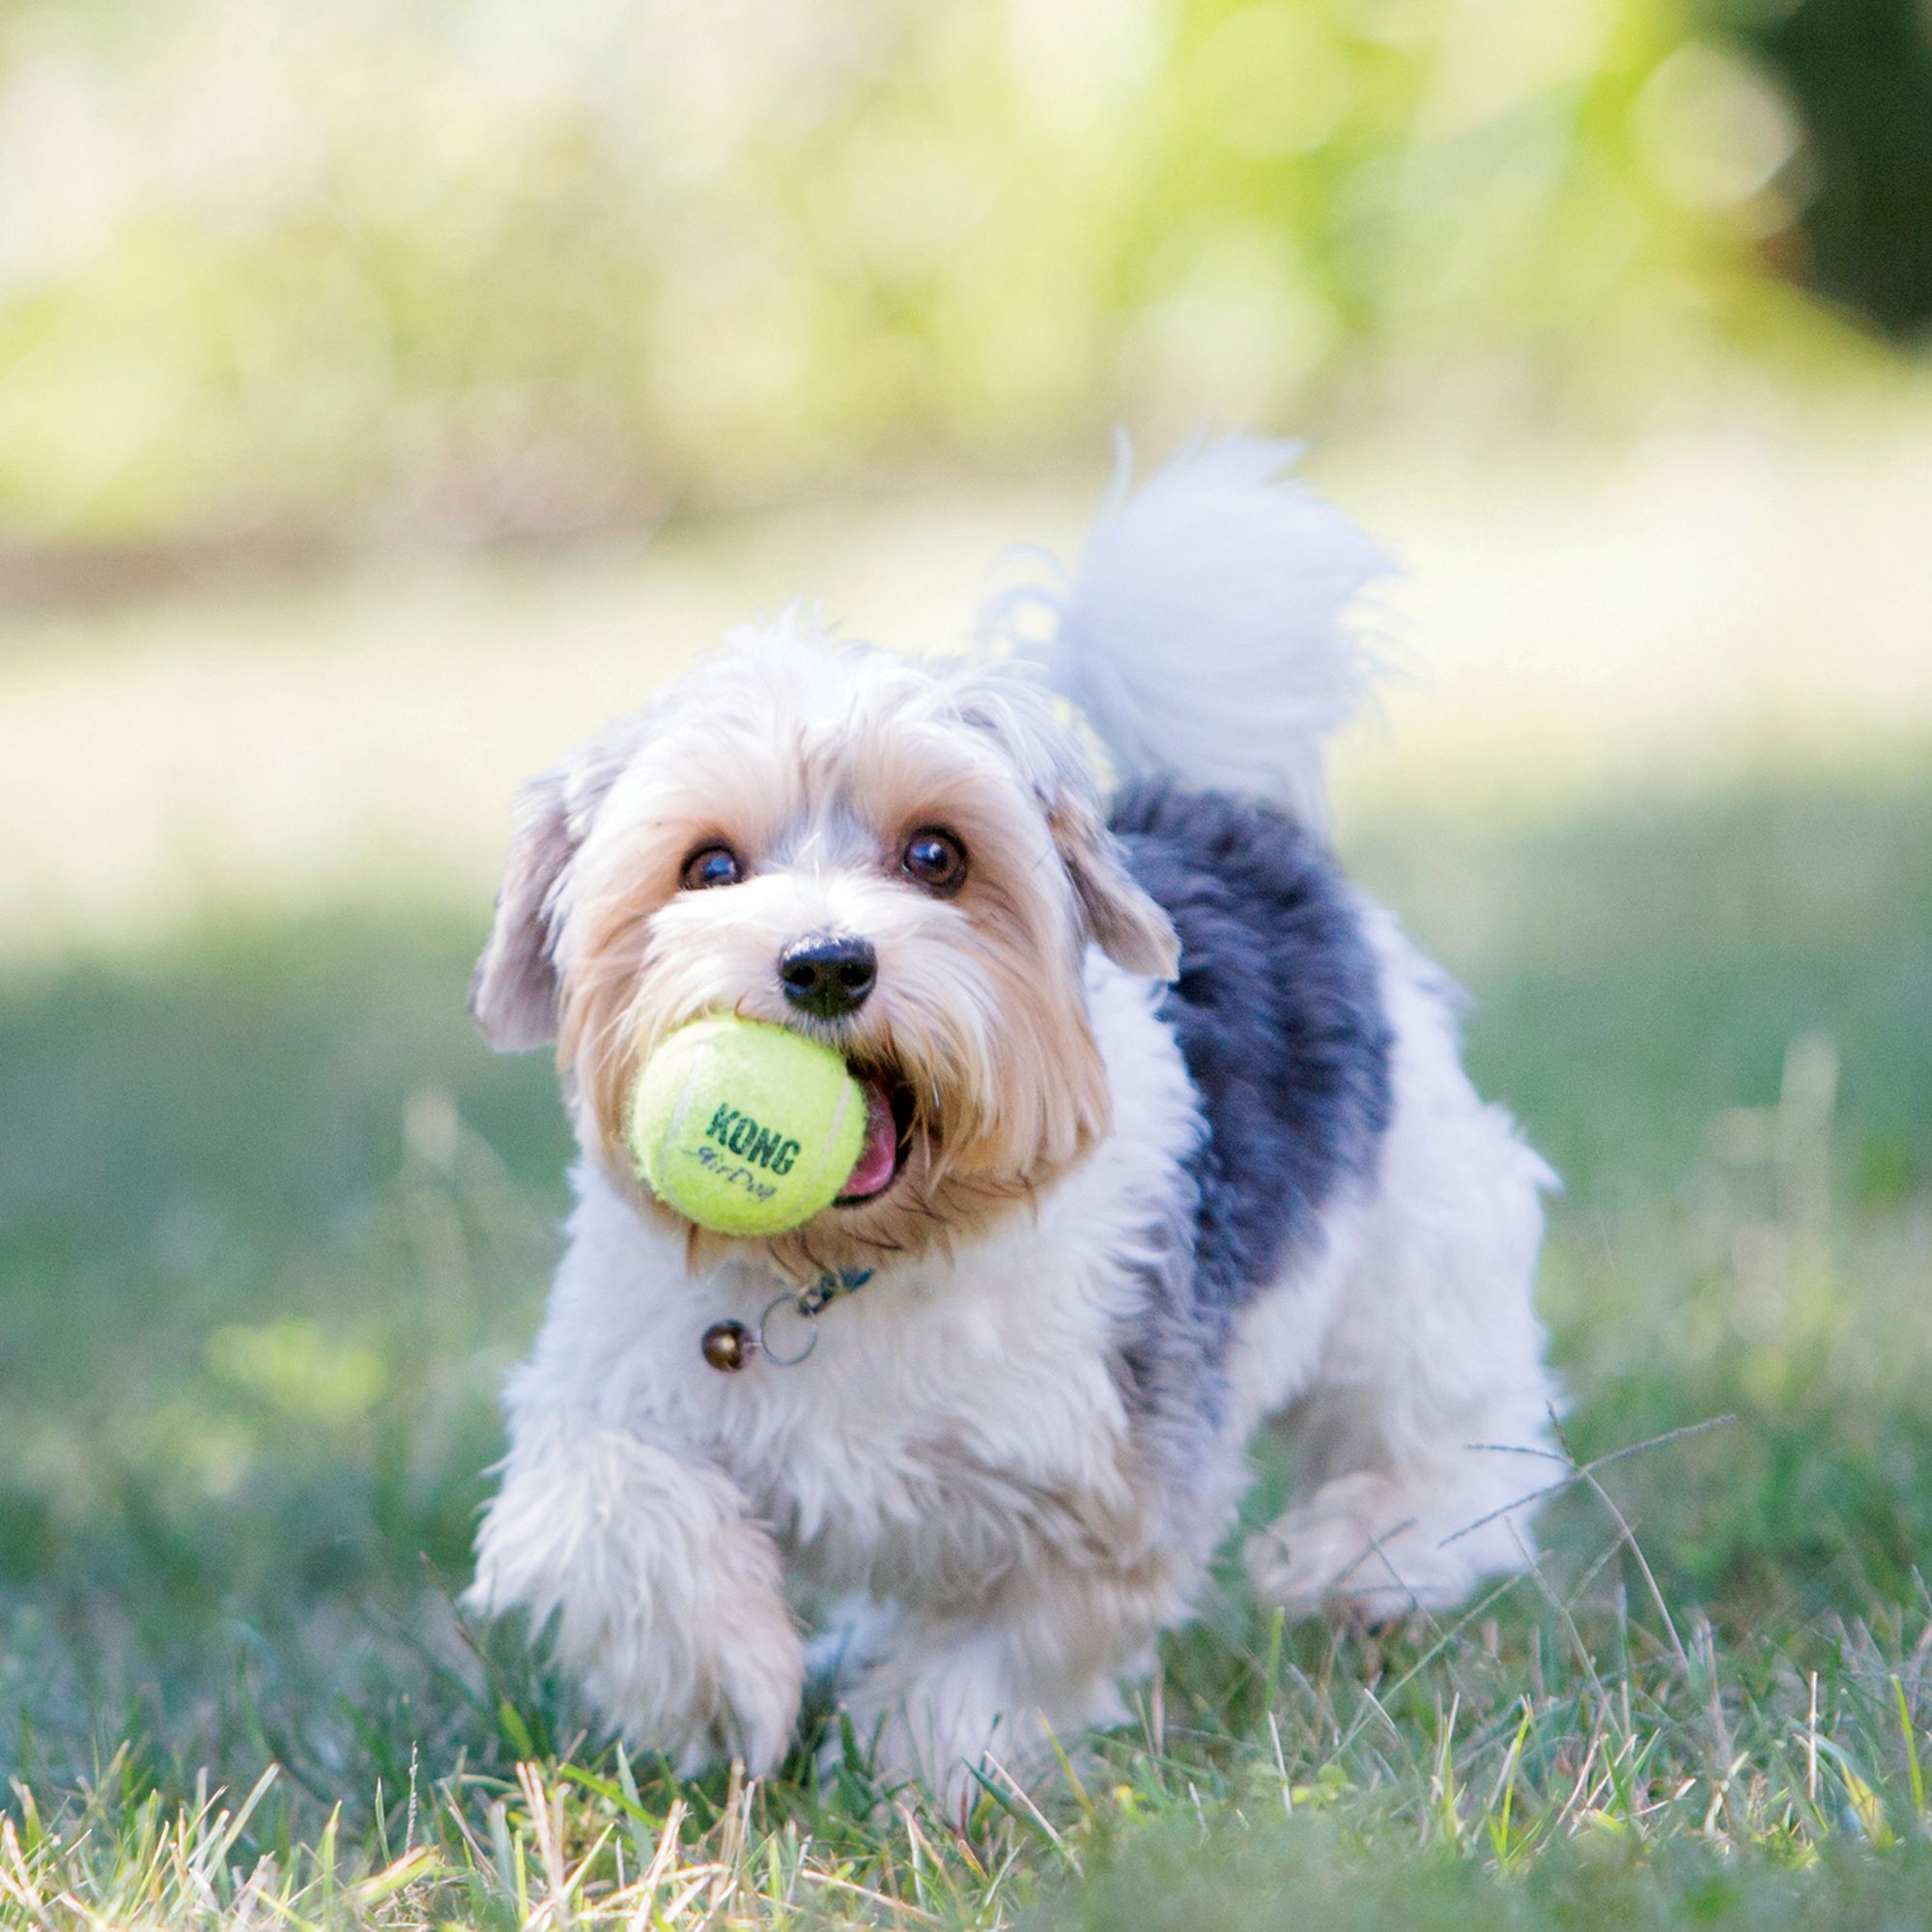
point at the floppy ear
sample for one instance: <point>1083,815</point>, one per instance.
<point>513,992</point>
<point>1121,918</point>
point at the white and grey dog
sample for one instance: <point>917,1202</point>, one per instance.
<point>1169,1134</point>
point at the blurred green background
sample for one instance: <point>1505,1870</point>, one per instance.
<point>389,394</point>
<point>480,267</point>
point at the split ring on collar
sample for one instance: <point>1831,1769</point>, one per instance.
<point>729,1345</point>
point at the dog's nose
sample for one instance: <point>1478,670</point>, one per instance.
<point>828,977</point>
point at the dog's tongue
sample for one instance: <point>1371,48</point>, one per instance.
<point>879,1158</point>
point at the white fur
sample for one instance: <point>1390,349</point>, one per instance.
<point>948,1443</point>
<point>1208,630</point>
<point>956,1448</point>
<point>1430,1380</point>
<point>958,1458</point>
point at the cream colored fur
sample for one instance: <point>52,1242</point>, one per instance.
<point>966,1463</point>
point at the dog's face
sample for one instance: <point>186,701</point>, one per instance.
<point>905,864</point>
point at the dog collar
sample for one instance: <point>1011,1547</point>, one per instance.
<point>729,1345</point>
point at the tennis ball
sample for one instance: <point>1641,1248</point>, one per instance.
<point>746,1128</point>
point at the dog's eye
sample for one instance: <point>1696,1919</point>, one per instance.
<point>936,860</point>
<point>714,866</point>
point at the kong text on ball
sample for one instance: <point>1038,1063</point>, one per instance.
<point>747,1129</point>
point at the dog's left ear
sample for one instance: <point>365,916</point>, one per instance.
<point>1121,919</point>
<point>513,994</point>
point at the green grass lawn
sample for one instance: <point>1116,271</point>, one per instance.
<point>272,1223</point>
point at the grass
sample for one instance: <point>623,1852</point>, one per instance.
<point>272,1224</point>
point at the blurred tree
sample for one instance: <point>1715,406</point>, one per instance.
<point>482,267</point>
<point>1860,73</point>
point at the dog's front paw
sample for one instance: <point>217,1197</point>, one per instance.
<point>922,1710</point>
<point>664,1600</point>
<point>950,1706</point>
<point>730,1689</point>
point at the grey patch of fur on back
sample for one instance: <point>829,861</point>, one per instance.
<point>1279,1016</point>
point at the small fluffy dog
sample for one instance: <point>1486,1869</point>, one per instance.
<point>1169,1134</point>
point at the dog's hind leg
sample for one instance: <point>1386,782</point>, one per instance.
<point>1429,1414</point>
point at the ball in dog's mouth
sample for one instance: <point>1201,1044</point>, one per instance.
<point>889,1116</point>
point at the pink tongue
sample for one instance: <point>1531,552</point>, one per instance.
<point>879,1159</point>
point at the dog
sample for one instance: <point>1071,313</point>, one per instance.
<point>1168,1137</point>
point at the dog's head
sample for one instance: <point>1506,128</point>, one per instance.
<point>905,863</point>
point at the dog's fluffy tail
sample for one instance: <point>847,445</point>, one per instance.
<point>1208,633</point>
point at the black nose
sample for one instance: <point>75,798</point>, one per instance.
<point>828,977</point>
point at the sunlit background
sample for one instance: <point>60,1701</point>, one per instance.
<point>390,392</point>
<point>302,277</point>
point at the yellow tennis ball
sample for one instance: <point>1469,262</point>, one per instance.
<point>746,1128</point>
